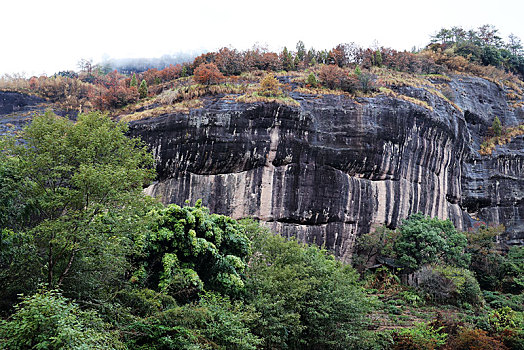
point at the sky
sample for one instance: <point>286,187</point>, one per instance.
<point>46,36</point>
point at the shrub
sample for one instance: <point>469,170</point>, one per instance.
<point>504,318</point>
<point>47,320</point>
<point>425,240</point>
<point>448,284</point>
<point>332,76</point>
<point>421,336</point>
<point>496,127</point>
<point>208,74</point>
<point>269,86</point>
<point>497,300</point>
<point>366,81</point>
<point>312,80</point>
<point>474,339</point>
<point>214,322</point>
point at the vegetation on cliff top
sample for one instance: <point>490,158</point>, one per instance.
<point>345,69</point>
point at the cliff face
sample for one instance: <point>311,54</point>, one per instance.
<point>16,108</point>
<point>334,168</point>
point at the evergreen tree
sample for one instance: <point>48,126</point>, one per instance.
<point>497,126</point>
<point>312,80</point>
<point>133,81</point>
<point>301,50</point>
<point>142,90</point>
<point>287,60</point>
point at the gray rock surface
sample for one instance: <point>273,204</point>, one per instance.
<point>335,168</point>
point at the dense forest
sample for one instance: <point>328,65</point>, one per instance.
<point>88,261</point>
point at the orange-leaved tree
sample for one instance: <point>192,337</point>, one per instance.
<point>332,76</point>
<point>208,74</point>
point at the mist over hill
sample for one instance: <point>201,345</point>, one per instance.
<point>141,64</point>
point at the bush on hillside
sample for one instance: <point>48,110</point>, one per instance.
<point>450,285</point>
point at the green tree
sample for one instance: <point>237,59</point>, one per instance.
<point>19,267</point>
<point>188,249</point>
<point>514,270</point>
<point>306,299</point>
<point>13,210</point>
<point>301,50</point>
<point>214,319</point>
<point>312,80</point>
<point>496,127</point>
<point>423,240</point>
<point>377,58</point>
<point>486,260</point>
<point>490,55</point>
<point>47,320</point>
<point>133,81</point>
<point>286,58</point>
<point>142,89</point>
<point>184,72</point>
<point>84,181</point>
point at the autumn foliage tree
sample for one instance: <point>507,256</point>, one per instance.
<point>332,76</point>
<point>269,86</point>
<point>208,74</point>
<point>230,61</point>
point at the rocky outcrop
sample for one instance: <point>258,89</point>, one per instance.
<point>16,109</point>
<point>334,167</point>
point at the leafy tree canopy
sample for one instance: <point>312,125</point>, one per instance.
<point>79,190</point>
<point>425,240</point>
<point>306,299</point>
<point>189,249</point>
<point>47,320</point>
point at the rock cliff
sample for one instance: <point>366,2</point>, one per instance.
<point>334,167</point>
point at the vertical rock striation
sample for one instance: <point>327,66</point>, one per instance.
<point>326,171</point>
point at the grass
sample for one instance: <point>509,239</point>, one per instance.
<point>191,92</point>
<point>438,77</point>
<point>180,107</point>
<point>391,93</point>
<point>488,146</point>
<point>254,97</point>
<point>392,79</point>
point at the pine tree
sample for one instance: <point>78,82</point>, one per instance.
<point>287,60</point>
<point>142,90</point>
<point>497,126</point>
<point>133,81</point>
<point>312,80</point>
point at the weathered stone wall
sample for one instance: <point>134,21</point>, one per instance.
<point>334,168</point>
